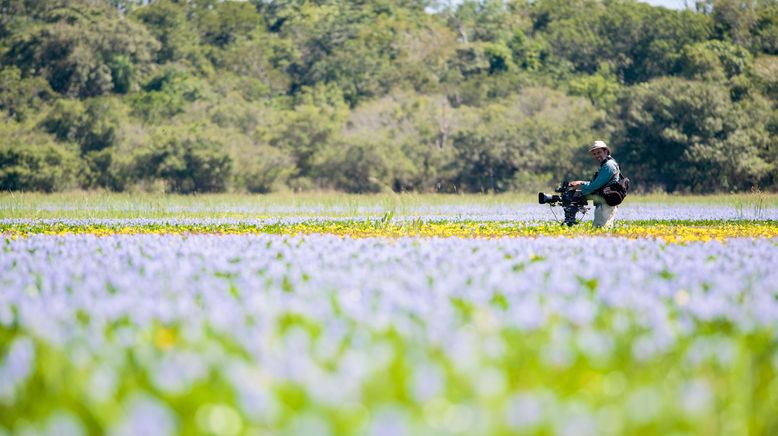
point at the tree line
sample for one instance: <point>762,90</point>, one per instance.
<point>374,95</point>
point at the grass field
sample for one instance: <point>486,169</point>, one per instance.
<point>100,205</point>
<point>331,314</point>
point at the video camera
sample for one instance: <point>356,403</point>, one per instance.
<point>572,202</point>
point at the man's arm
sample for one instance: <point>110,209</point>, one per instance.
<point>605,175</point>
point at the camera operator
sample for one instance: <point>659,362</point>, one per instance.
<point>592,190</point>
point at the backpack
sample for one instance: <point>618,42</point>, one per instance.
<point>614,192</point>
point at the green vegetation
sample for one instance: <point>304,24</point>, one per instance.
<point>377,96</point>
<point>312,205</point>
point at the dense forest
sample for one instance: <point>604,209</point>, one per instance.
<point>375,95</point>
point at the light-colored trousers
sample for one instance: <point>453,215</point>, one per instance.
<point>604,215</point>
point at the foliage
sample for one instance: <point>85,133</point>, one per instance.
<point>309,128</point>
<point>410,95</point>
<point>35,168</point>
<point>690,136</point>
<point>197,334</point>
<point>20,97</point>
<point>33,161</point>
<point>186,165</point>
<point>267,170</point>
<point>168,23</point>
<point>715,60</point>
<point>524,142</point>
<point>82,48</point>
<point>166,94</point>
<point>360,165</point>
<point>93,125</point>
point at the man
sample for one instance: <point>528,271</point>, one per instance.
<point>609,170</point>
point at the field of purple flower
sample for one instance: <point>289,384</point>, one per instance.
<point>319,334</point>
<point>386,315</point>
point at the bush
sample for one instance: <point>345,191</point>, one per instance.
<point>538,132</point>
<point>93,124</point>
<point>690,136</point>
<point>715,60</point>
<point>186,165</point>
<point>265,171</point>
<point>358,167</point>
<point>164,96</point>
<point>20,97</point>
<point>36,167</point>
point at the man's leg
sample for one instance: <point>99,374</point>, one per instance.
<point>604,215</point>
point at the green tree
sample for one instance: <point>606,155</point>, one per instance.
<point>765,72</point>
<point>639,41</point>
<point>75,46</point>
<point>601,88</point>
<point>765,30</point>
<point>266,169</point>
<point>734,20</point>
<point>186,164</point>
<point>715,60</point>
<point>93,124</point>
<point>356,45</point>
<point>525,141</point>
<point>309,128</point>
<point>373,95</point>
<point>222,23</point>
<point>19,97</point>
<point>261,57</point>
<point>31,161</point>
<point>486,21</point>
<point>361,165</point>
<point>18,15</point>
<point>415,131</point>
<point>167,21</point>
<point>165,95</point>
<point>690,136</point>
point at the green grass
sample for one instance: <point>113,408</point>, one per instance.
<point>113,205</point>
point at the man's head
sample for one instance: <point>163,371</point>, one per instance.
<point>600,150</point>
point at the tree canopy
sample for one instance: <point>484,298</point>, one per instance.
<point>374,95</point>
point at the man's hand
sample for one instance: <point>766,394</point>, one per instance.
<point>575,184</point>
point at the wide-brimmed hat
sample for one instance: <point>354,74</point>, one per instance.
<point>599,144</point>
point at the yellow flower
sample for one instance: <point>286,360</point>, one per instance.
<point>164,338</point>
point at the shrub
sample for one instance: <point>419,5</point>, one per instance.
<point>186,165</point>
<point>36,167</point>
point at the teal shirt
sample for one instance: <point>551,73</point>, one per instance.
<point>608,170</point>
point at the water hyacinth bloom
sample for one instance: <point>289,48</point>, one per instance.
<point>484,212</point>
<point>145,415</point>
<point>330,335</point>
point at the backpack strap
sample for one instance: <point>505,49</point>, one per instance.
<point>618,171</point>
